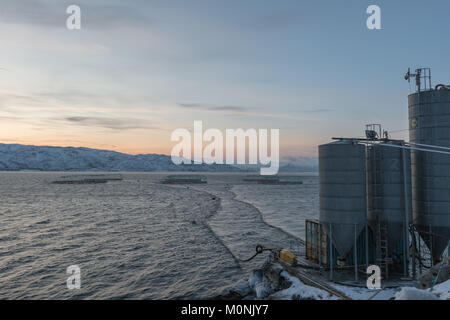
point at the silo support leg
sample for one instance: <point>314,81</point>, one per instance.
<point>413,239</point>
<point>367,246</point>
<point>430,239</point>
<point>331,253</point>
<point>420,254</point>
<point>356,256</point>
<point>405,253</point>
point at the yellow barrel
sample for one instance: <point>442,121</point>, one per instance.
<point>286,255</point>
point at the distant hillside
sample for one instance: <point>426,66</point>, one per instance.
<point>298,168</point>
<point>17,157</point>
<point>299,164</point>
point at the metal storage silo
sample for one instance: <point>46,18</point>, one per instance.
<point>429,119</point>
<point>342,191</point>
<point>388,179</point>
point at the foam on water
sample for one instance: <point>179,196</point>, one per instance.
<point>284,206</point>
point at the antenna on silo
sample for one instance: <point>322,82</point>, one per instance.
<point>422,76</point>
<point>373,131</point>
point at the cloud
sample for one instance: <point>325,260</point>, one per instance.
<point>280,20</point>
<point>107,16</point>
<point>253,112</point>
<point>319,110</point>
<point>7,118</point>
<point>212,107</point>
<point>11,98</point>
<point>70,99</point>
<point>47,13</point>
<point>110,123</point>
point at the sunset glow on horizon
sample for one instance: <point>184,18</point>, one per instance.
<point>135,72</point>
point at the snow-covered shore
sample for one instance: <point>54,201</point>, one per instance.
<point>273,282</point>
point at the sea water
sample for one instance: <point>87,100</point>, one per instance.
<point>138,238</point>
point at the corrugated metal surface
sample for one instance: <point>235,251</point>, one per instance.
<point>429,118</point>
<point>342,191</point>
<point>386,190</point>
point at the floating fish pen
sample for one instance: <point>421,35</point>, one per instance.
<point>273,179</point>
<point>184,179</point>
<point>88,178</point>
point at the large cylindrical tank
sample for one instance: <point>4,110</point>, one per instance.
<point>342,191</point>
<point>388,179</point>
<point>429,121</point>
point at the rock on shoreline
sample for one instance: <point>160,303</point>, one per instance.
<point>273,282</point>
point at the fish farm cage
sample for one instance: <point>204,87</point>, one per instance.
<point>88,178</point>
<point>284,179</point>
<point>184,179</point>
<point>386,202</point>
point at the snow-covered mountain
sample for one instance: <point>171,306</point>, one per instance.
<point>299,164</point>
<point>14,157</point>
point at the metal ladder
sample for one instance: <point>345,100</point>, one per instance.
<point>383,259</point>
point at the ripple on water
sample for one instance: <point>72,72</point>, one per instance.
<point>134,239</point>
<point>131,240</point>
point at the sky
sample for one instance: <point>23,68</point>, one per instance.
<point>137,70</point>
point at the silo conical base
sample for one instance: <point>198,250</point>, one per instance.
<point>343,237</point>
<point>438,240</point>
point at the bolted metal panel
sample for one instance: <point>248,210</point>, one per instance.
<point>386,190</point>
<point>429,123</point>
<point>342,191</point>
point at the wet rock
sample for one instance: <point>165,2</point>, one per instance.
<point>261,284</point>
<point>273,273</point>
<point>255,277</point>
<point>239,291</point>
<point>230,295</point>
<point>263,289</point>
<point>410,293</point>
<point>440,272</point>
<point>241,288</point>
<point>267,280</point>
